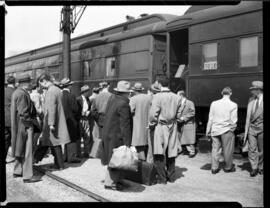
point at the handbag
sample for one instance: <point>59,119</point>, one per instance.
<point>124,158</point>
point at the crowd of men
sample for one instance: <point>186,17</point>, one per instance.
<point>46,117</point>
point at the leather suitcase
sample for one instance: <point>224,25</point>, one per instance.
<point>96,151</point>
<point>146,174</point>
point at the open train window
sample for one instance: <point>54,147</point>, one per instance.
<point>86,69</point>
<point>110,66</point>
<point>209,52</point>
<point>249,52</point>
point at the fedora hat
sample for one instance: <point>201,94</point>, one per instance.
<point>57,83</point>
<point>24,77</point>
<point>66,82</point>
<point>155,87</point>
<point>123,86</point>
<point>84,88</point>
<point>256,85</point>
<point>103,84</point>
<point>138,87</point>
<point>10,80</point>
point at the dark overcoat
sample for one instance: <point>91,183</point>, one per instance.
<point>117,126</point>
<point>187,128</point>
<point>8,93</point>
<point>54,115</point>
<point>72,115</point>
<point>21,118</point>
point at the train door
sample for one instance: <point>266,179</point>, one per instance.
<point>178,60</point>
<point>159,57</point>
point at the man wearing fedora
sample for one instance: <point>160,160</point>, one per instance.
<point>71,111</point>
<point>164,113</point>
<point>140,106</point>
<point>22,114</point>
<point>254,128</point>
<point>84,107</point>
<point>9,89</point>
<point>221,126</point>
<point>55,131</point>
<point>116,132</point>
<point>99,105</point>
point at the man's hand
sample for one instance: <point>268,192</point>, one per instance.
<point>52,128</point>
<point>87,113</point>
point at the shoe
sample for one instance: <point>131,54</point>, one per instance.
<point>74,160</point>
<point>17,175</point>
<point>31,180</point>
<point>161,182</point>
<point>114,187</point>
<point>254,172</point>
<point>171,180</point>
<point>55,168</point>
<point>260,172</point>
<point>232,169</point>
<point>215,171</point>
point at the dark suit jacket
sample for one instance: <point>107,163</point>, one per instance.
<point>8,93</point>
<point>117,126</point>
<point>71,111</point>
<point>80,104</point>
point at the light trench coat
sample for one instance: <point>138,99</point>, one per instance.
<point>164,112</point>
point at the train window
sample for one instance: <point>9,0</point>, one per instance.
<point>110,66</point>
<point>86,69</point>
<point>209,56</point>
<point>249,52</point>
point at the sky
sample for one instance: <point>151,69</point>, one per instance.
<point>31,27</point>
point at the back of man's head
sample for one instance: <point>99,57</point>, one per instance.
<point>164,81</point>
<point>226,91</point>
<point>43,77</point>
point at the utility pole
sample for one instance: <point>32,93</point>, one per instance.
<point>70,16</point>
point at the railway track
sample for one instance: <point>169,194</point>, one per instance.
<point>72,185</point>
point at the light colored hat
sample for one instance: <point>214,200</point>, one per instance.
<point>256,85</point>
<point>123,86</point>
<point>66,82</point>
<point>155,87</point>
<point>84,88</point>
<point>24,77</point>
<point>138,86</point>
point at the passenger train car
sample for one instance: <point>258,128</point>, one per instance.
<point>201,52</point>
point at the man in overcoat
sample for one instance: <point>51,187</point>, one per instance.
<point>84,107</point>
<point>55,131</point>
<point>221,126</point>
<point>186,124</point>
<point>9,89</point>
<point>116,131</point>
<point>71,111</point>
<point>254,128</point>
<point>22,113</point>
<point>164,113</point>
<point>99,105</point>
<point>140,106</point>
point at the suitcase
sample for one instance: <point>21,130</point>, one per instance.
<point>146,174</point>
<point>96,151</point>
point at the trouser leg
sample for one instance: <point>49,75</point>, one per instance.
<point>253,155</point>
<point>28,158</point>
<point>191,149</point>
<point>35,140</point>
<point>18,166</point>
<point>228,140</point>
<point>58,157</point>
<point>40,152</point>
<point>112,177</point>
<point>260,150</point>
<point>216,144</point>
<point>86,135</point>
<point>159,161</point>
<point>70,151</point>
<point>7,140</point>
<point>170,164</point>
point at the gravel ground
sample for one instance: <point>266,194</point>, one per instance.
<point>195,182</point>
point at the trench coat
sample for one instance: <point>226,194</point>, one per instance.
<point>21,118</point>
<point>72,115</point>
<point>8,93</point>
<point>187,128</point>
<point>140,106</point>
<point>117,127</point>
<point>54,115</point>
<point>164,113</point>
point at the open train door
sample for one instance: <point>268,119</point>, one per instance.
<point>178,59</point>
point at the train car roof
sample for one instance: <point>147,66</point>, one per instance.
<point>210,14</point>
<point>148,19</point>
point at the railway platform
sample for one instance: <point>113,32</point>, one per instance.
<point>194,183</point>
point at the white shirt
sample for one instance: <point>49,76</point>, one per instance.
<point>222,116</point>
<point>85,106</point>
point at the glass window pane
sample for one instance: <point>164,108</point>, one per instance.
<point>86,69</point>
<point>110,66</point>
<point>249,52</point>
<point>210,56</point>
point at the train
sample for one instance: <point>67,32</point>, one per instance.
<point>201,52</point>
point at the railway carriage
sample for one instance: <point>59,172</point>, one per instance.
<point>201,52</point>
